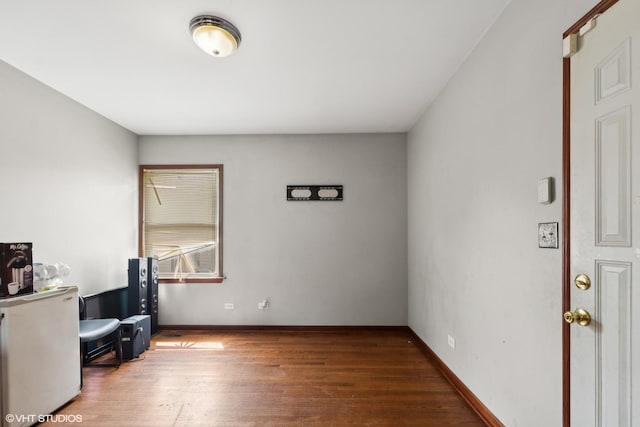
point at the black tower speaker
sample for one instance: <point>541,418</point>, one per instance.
<point>152,295</point>
<point>138,276</point>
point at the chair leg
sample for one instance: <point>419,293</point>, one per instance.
<point>81,363</point>
<point>118,345</point>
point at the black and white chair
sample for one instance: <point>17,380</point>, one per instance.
<point>96,329</point>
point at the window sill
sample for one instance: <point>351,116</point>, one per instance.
<point>192,280</point>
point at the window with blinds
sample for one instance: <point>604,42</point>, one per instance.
<point>181,221</point>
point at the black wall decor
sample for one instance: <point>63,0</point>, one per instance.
<point>298,193</point>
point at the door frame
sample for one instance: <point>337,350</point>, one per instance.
<point>566,210</point>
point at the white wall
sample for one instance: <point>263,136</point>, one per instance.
<point>68,182</point>
<point>475,269</point>
<point>319,263</point>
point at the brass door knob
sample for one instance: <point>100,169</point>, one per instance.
<point>582,281</point>
<point>579,316</point>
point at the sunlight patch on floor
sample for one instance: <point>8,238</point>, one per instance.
<point>201,345</point>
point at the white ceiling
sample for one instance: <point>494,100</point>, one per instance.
<point>304,66</point>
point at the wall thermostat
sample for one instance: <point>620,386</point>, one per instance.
<point>545,190</point>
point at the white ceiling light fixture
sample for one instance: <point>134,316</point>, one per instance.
<point>216,36</point>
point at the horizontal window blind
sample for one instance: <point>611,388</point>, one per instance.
<point>181,218</point>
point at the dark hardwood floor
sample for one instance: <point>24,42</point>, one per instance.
<point>272,378</point>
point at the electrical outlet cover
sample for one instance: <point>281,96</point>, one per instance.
<point>451,341</point>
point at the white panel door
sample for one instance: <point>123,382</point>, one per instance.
<point>605,220</point>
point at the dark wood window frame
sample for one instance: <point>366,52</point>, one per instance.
<point>141,192</point>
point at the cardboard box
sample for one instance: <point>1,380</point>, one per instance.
<point>16,269</point>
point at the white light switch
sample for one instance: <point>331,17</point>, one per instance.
<point>544,191</point>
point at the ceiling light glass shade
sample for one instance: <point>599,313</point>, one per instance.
<point>216,36</point>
